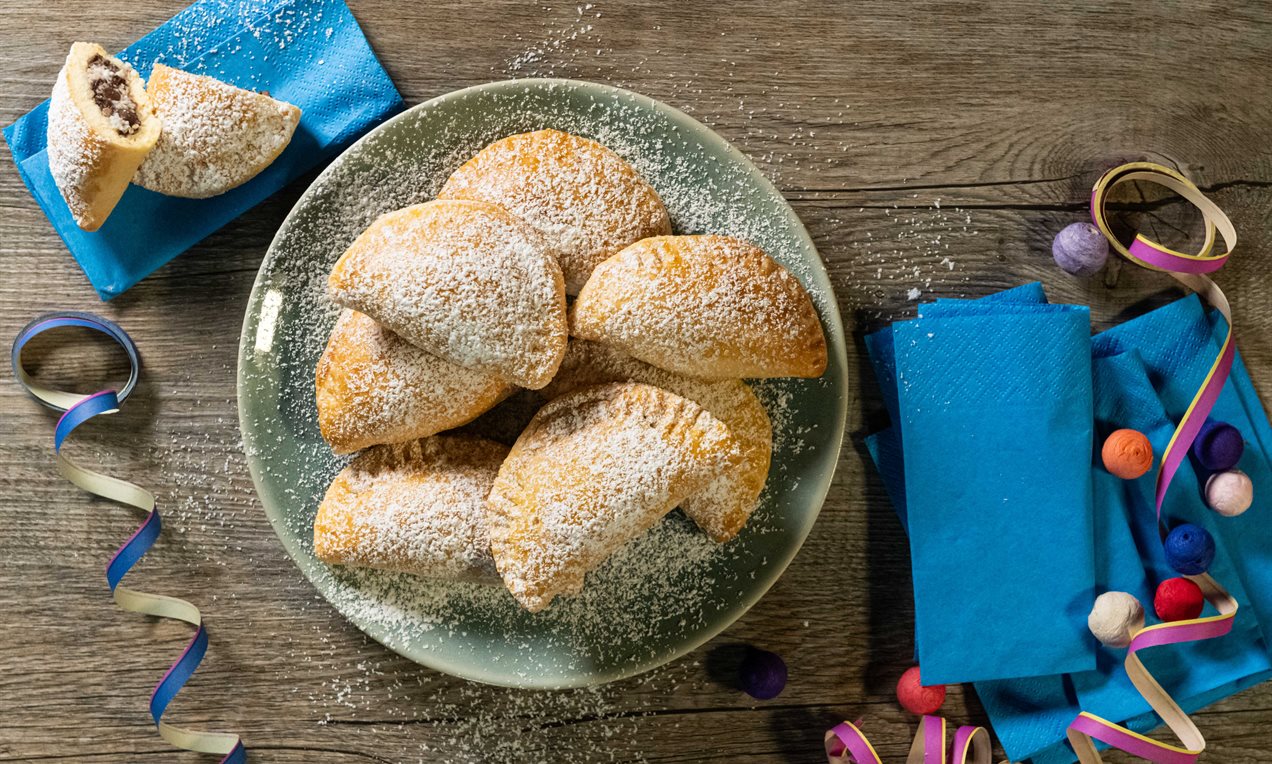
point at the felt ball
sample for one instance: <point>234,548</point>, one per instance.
<point>1115,618</point>
<point>1189,549</point>
<point>762,674</point>
<point>915,697</point>
<point>1080,249</point>
<point>1229,493</point>
<point>1178,599</point>
<point>1218,446</point>
<point>1127,454</point>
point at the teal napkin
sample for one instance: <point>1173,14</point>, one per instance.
<point>310,53</point>
<point>1145,372</point>
<point>995,407</point>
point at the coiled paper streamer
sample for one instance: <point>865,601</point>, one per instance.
<point>78,409</point>
<point>846,743</point>
<point>1190,270</point>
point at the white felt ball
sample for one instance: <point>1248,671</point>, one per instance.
<point>1229,493</point>
<point>1115,618</point>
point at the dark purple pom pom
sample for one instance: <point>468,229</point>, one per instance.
<point>762,674</point>
<point>1218,446</point>
<point>1080,249</point>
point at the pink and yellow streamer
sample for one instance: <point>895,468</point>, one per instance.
<point>846,743</point>
<point>1190,270</point>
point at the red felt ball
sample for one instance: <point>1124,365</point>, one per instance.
<point>916,698</point>
<point>1178,599</point>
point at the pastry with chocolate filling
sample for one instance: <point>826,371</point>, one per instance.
<point>215,136</point>
<point>101,127</point>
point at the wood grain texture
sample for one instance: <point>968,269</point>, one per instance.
<point>929,145</point>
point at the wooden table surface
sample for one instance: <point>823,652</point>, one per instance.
<point>935,146</point>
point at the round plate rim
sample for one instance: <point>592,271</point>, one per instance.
<point>771,572</point>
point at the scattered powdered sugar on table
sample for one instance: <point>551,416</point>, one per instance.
<point>669,587</point>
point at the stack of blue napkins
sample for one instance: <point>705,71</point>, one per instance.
<point>1143,375</point>
<point>310,53</point>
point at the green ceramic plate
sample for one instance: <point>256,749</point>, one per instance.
<point>662,595</point>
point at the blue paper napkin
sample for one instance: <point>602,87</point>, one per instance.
<point>995,406</point>
<point>310,53</point>
<point>1145,373</point>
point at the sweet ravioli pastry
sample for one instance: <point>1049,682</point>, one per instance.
<point>722,508</point>
<point>594,470</point>
<point>374,387</point>
<point>100,129</point>
<point>465,281</point>
<point>415,508</point>
<point>586,201</point>
<point>215,136</point>
<point>714,307</point>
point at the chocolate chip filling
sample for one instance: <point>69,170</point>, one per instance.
<point>112,95</point>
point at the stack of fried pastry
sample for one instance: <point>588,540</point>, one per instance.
<point>452,306</point>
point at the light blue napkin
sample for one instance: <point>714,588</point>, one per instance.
<point>996,425</point>
<point>310,53</point>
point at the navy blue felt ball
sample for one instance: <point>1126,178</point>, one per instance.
<point>1189,549</point>
<point>1218,446</point>
<point>762,674</point>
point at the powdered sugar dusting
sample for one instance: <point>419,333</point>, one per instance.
<point>215,136</point>
<point>583,198</point>
<point>463,280</point>
<point>592,471</point>
<point>663,591</point>
<point>715,307</point>
<point>375,387</point>
<point>418,508</point>
<point>723,506</point>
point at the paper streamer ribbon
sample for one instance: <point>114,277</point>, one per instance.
<point>78,409</point>
<point>846,744</point>
<point>1190,270</point>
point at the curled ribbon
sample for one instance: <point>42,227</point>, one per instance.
<point>78,409</point>
<point>846,744</point>
<point>1189,270</point>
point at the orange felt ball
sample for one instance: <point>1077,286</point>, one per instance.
<point>916,698</point>
<point>1127,454</point>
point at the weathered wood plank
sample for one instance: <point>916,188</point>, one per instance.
<point>931,145</point>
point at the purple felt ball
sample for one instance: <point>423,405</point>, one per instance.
<point>762,674</point>
<point>1218,446</point>
<point>1189,549</point>
<point>1080,249</point>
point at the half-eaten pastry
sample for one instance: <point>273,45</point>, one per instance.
<point>101,127</point>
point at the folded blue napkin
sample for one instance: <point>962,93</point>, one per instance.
<point>310,53</point>
<point>995,415</point>
<point>1145,373</point>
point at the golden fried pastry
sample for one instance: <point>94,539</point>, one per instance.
<point>374,387</point>
<point>722,508</point>
<point>713,307</point>
<point>414,507</point>
<point>592,471</point>
<point>215,136</point>
<point>100,129</point>
<point>465,281</point>
<point>586,200</point>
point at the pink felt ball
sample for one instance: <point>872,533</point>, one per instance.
<point>1229,493</point>
<point>916,698</point>
<point>1178,599</point>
